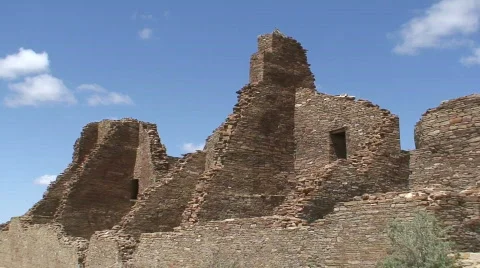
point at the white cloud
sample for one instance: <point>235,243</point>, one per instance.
<point>45,179</point>
<point>145,33</point>
<point>25,62</point>
<point>91,87</point>
<point>102,96</point>
<point>37,90</point>
<point>142,16</point>
<point>109,99</point>
<point>190,147</point>
<point>447,23</point>
<point>473,59</point>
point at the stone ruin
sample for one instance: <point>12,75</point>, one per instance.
<point>292,178</point>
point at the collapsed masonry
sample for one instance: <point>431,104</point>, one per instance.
<point>293,177</point>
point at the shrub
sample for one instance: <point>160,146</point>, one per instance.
<point>420,243</point>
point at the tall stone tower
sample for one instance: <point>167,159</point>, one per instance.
<point>280,60</point>
<point>250,158</point>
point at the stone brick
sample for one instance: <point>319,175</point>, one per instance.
<point>292,178</point>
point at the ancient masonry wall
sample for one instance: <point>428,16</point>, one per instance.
<point>280,60</point>
<point>161,205</point>
<point>250,157</point>
<point>152,162</point>
<point>211,152</point>
<point>253,158</point>
<point>448,145</point>
<point>352,236</point>
<point>44,210</point>
<point>95,190</point>
<point>27,245</point>
<point>159,209</point>
<point>267,190</point>
<point>470,260</point>
<point>374,160</point>
<point>99,195</point>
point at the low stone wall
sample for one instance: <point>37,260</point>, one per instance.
<point>354,235</point>
<point>104,252</point>
<point>39,245</point>
<point>470,260</point>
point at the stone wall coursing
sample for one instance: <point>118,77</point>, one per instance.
<point>374,161</point>
<point>4,226</point>
<point>253,158</point>
<point>44,210</point>
<point>209,149</point>
<point>104,251</point>
<point>315,196</point>
<point>152,162</point>
<point>470,260</point>
<point>160,206</point>
<point>99,194</point>
<point>370,130</point>
<point>40,245</point>
<point>353,236</point>
<point>280,60</point>
<point>443,170</point>
<point>448,145</point>
<point>250,157</point>
<point>452,127</point>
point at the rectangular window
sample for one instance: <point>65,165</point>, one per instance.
<point>134,189</point>
<point>339,144</point>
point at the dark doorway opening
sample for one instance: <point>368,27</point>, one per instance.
<point>134,189</point>
<point>339,144</point>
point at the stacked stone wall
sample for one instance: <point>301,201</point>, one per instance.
<point>266,191</point>
<point>152,163</point>
<point>253,158</point>
<point>44,210</point>
<point>374,160</point>
<point>99,195</point>
<point>209,149</point>
<point>451,127</point>
<point>250,158</point>
<point>354,235</point>
<point>41,245</point>
<point>448,145</point>
<point>447,171</point>
<point>280,60</point>
<point>160,206</point>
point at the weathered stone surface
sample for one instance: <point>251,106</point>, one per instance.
<point>448,145</point>
<point>27,245</point>
<point>95,190</point>
<point>352,236</point>
<point>292,178</point>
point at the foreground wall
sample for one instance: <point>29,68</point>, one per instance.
<point>27,246</point>
<point>352,236</point>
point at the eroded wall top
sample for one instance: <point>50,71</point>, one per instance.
<point>454,126</point>
<point>280,60</point>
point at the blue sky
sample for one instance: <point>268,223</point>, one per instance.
<point>178,64</point>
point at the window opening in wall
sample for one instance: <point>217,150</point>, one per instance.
<point>134,189</point>
<point>339,143</point>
